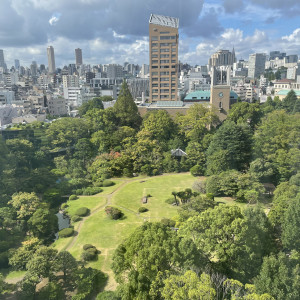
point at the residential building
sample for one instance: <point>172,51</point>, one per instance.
<point>222,58</point>
<point>256,65</point>
<point>114,71</point>
<point>70,81</point>
<point>51,60</point>
<point>163,57</point>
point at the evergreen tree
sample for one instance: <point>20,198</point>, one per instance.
<point>126,110</point>
<point>289,101</point>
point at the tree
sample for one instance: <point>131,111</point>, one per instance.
<point>43,262</point>
<point>279,277</point>
<point>196,123</point>
<point>126,110</point>
<point>65,263</point>
<point>188,287</point>
<point>25,204</point>
<point>245,112</point>
<point>151,248</point>
<point>43,224</point>
<point>230,239</point>
<point>276,141</point>
<point>65,132</point>
<point>160,126</point>
<point>95,103</point>
<point>291,225</point>
<point>289,101</point>
<point>230,148</point>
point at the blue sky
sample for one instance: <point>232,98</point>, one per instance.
<point>115,31</point>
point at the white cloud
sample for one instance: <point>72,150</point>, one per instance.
<point>294,37</point>
<point>53,20</point>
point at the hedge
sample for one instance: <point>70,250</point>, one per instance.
<point>66,232</point>
<point>107,183</point>
<point>142,209</point>
<point>82,211</point>
<point>75,218</point>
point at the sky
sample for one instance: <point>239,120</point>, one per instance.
<point>116,31</point>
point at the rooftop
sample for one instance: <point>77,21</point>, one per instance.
<point>285,92</point>
<point>204,95</point>
<point>164,21</point>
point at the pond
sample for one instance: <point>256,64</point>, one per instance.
<point>63,222</point>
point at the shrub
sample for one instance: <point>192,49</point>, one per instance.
<point>73,197</point>
<point>82,211</point>
<point>142,209</point>
<point>91,190</point>
<point>64,205</point>
<point>107,182</point>
<point>113,212</point>
<point>197,170</point>
<point>170,200</point>
<point>78,191</point>
<point>98,183</point>
<point>168,222</point>
<point>88,246</point>
<point>88,255</point>
<point>66,232</point>
<point>75,218</point>
<point>148,196</point>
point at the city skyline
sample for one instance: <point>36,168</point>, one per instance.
<point>113,32</point>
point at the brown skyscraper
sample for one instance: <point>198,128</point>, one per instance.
<point>78,56</point>
<point>163,58</point>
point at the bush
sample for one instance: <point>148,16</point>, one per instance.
<point>73,197</point>
<point>107,183</point>
<point>91,190</point>
<point>88,246</point>
<point>168,222</point>
<point>64,205</point>
<point>88,255</point>
<point>98,183</point>
<point>75,218</point>
<point>82,211</point>
<point>197,170</point>
<point>170,200</point>
<point>148,196</point>
<point>66,232</point>
<point>113,212</point>
<point>78,191</point>
<point>142,209</point>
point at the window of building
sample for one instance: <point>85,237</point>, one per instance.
<point>173,50</point>
<point>164,73</point>
<point>173,61</point>
<point>173,97</point>
<point>154,84</point>
<point>164,96</point>
<point>154,73</point>
<point>155,61</point>
<point>173,73</point>
<point>154,96</point>
<point>155,79</point>
<point>154,55</point>
<point>164,90</point>
<point>168,37</point>
<point>164,55</point>
<point>174,44</point>
<point>164,61</point>
<point>164,32</point>
<point>173,85</point>
<point>164,44</point>
<point>154,38</point>
<point>164,85</point>
<point>173,55</point>
<point>154,67</point>
<point>164,67</point>
<point>154,90</point>
<point>154,50</point>
<point>154,44</point>
<point>165,50</point>
<point>173,91</point>
<point>164,79</point>
<point>173,79</point>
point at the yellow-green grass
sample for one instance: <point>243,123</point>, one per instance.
<point>160,188</point>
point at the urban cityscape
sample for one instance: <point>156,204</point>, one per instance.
<point>149,150</point>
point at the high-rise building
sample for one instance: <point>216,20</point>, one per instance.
<point>51,60</point>
<point>257,63</point>
<point>163,57</point>
<point>78,56</point>
<point>17,64</point>
<point>2,61</point>
<point>33,68</point>
<point>222,58</point>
